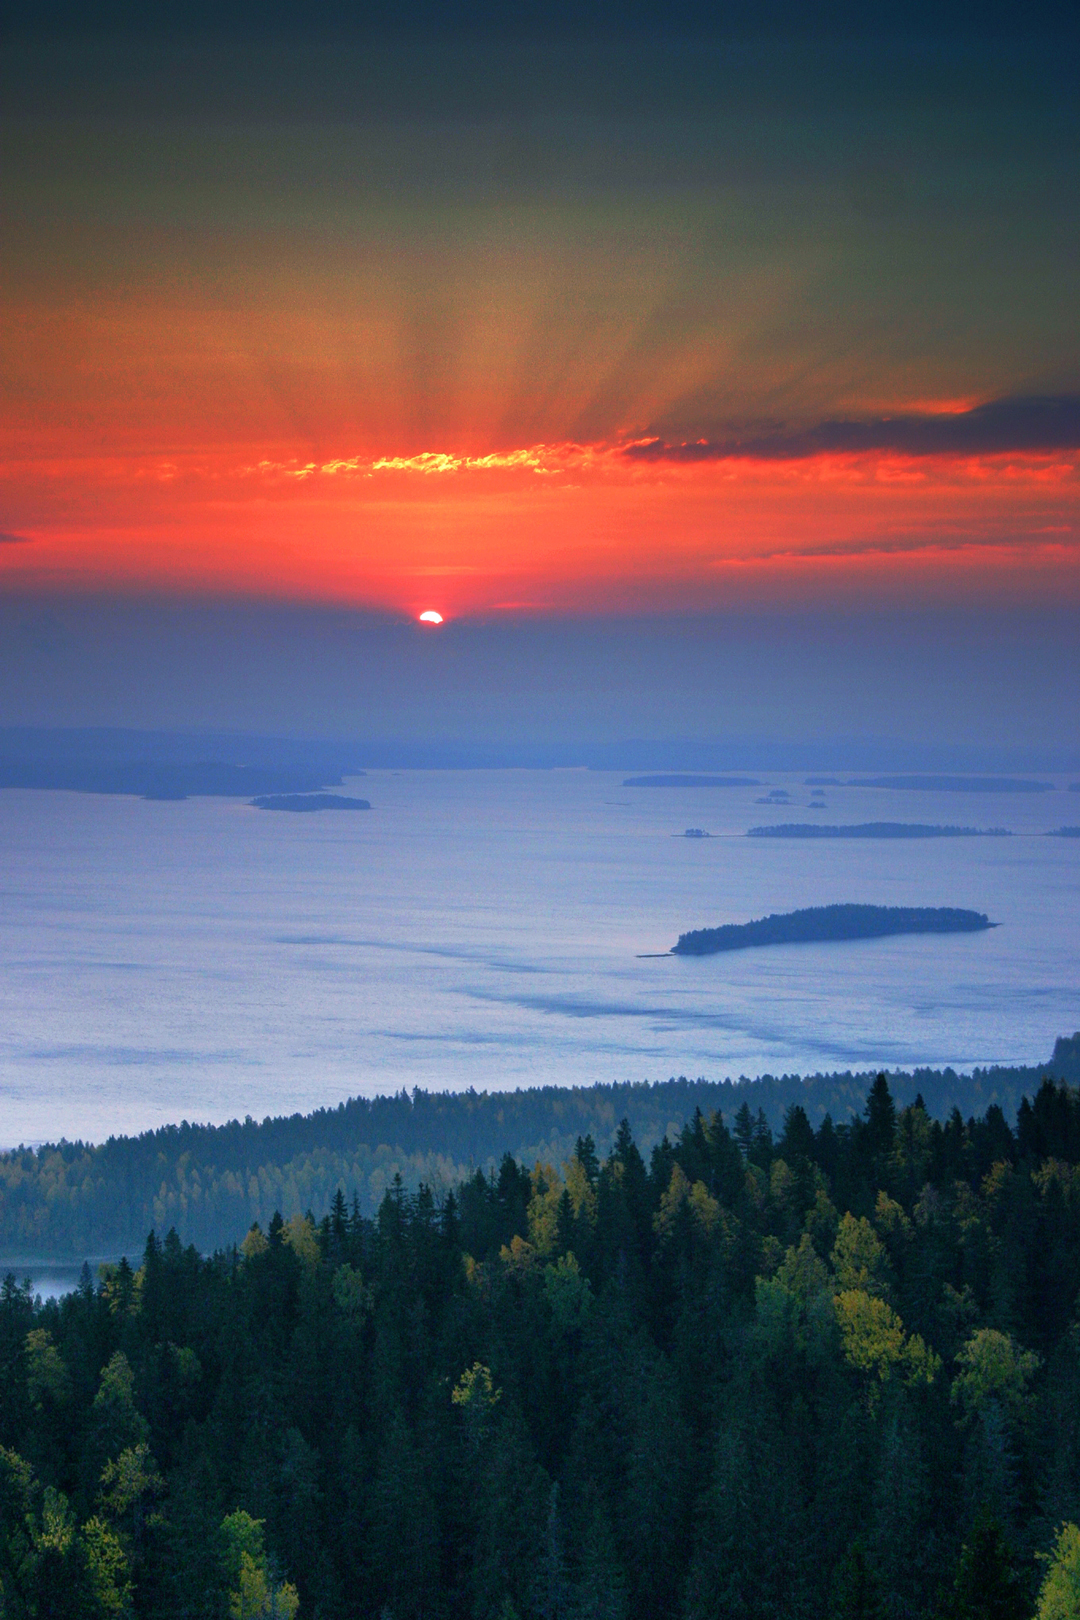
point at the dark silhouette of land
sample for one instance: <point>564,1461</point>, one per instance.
<point>309,801</point>
<point>1064,832</point>
<point>169,765</point>
<point>818,923</point>
<point>874,829</point>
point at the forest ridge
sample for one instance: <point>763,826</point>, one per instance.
<point>830,1373</point>
<point>210,1182</point>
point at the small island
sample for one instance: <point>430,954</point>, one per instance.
<point>818,923</point>
<point>874,829</point>
<point>309,801</point>
<point>696,832</point>
<point>1064,832</point>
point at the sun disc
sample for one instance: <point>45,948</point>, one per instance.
<point>431,617</point>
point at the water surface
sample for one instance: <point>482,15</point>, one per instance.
<point>204,959</point>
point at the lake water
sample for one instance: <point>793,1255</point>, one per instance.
<point>203,959</point>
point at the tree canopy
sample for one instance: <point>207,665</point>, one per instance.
<point>794,1373</point>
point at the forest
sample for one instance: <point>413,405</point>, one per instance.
<point>68,1200</point>
<point>828,1372</point>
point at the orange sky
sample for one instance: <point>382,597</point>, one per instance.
<point>567,528</point>
<point>394,358</point>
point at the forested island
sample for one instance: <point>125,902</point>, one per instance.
<point>309,801</point>
<point>777,1375</point>
<point>1064,832</point>
<point>817,923</point>
<point>874,829</point>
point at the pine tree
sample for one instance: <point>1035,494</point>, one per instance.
<point>743,1129</point>
<point>986,1587</point>
<point>880,1132</point>
<point>855,1594</point>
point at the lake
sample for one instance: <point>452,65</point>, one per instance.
<point>204,959</point>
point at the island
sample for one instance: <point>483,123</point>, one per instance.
<point>696,832</point>
<point>874,829</point>
<point>1064,832</point>
<point>681,779</point>
<point>308,801</point>
<point>818,923</point>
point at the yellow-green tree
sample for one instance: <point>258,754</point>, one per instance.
<point>859,1257</point>
<point>993,1367</point>
<point>475,1397</point>
<point>1059,1595</point>
<point>254,1594</point>
<point>875,1342</point>
<point>47,1378</point>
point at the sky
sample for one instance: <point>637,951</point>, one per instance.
<point>578,328</point>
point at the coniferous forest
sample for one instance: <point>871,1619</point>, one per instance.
<point>821,1373</point>
<point>211,1182</point>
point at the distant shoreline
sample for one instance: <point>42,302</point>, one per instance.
<point>874,829</point>
<point>939,784</point>
<point>687,779</point>
<point>152,779</point>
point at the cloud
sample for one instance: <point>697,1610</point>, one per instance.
<point>537,458</point>
<point>9,539</point>
<point>1002,427</point>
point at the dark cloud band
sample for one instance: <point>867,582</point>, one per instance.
<point>1002,427</point>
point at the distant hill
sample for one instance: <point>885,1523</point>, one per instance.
<point>818,923</point>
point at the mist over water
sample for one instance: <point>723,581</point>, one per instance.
<point>204,960</point>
